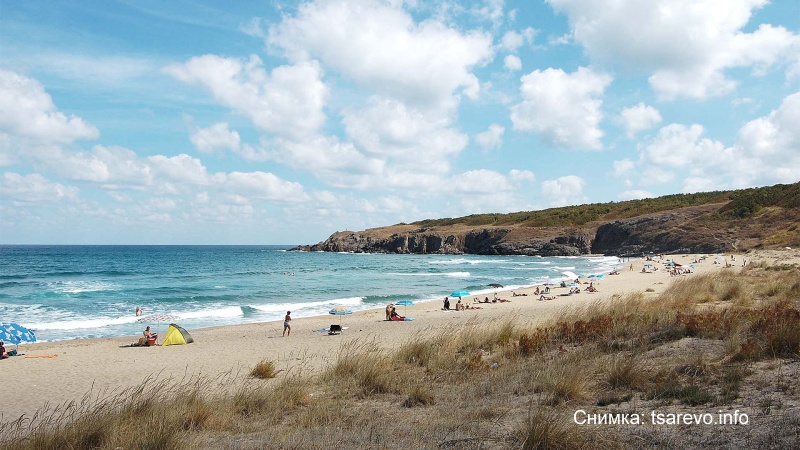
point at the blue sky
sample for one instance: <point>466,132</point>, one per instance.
<point>268,122</point>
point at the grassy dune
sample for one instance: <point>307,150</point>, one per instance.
<point>708,344</point>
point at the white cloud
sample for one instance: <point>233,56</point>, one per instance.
<point>686,44</point>
<point>513,40</point>
<point>215,137</point>
<point>657,175</point>
<point>491,11</point>
<point>337,163</point>
<point>564,108</point>
<point>635,195</point>
<point>106,165</point>
<point>262,185</point>
<point>480,181</point>
<point>181,168</point>
<point>379,45</point>
<point>288,101</point>
<point>767,152</point>
<point>639,118</point>
<point>567,190</point>
<point>34,188</point>
<point>775,141</point>
<point>253,27</point>
<point>409,136</point>
<point>26,110</point>
<point>492,138</point>
<point>522,175</point>
<point>512,63</point>
<point>623,167</point>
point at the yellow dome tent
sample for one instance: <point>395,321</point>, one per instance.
<point>177,335</point>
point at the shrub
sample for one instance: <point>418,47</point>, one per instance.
<point>264,369</point>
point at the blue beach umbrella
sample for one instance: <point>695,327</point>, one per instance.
<point>341,311</point>
<point>460,293</point>
<point>15,333</point>
<point>405,303</point>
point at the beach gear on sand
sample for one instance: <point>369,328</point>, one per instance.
<point>177,335</point>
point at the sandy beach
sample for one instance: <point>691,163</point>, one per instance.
<point>55,373</point>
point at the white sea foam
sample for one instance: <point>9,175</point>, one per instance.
<point>468,261</point>
<point>326,305</point>
<point>76,287</point>
<point>436,274</point>
<point>85,323</point>
<point>228,311</point>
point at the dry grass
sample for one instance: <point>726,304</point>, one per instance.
<point>545,430</point>
<point>264,370</point>
<point>700,345</point>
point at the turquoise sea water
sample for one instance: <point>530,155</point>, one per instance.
<point>73,292</point>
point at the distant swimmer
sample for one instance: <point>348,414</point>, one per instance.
<point>138,311</point>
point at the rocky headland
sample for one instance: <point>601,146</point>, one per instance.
<point>714,222</point>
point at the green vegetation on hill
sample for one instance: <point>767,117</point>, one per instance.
<point>740,203</point>
<point>748,202</point>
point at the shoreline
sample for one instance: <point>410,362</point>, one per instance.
<point>52,373</point>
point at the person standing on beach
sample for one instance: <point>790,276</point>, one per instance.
<point>287,329</point>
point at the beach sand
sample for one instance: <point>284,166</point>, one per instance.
<point>55,373</point>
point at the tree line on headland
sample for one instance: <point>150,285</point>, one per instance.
<point>707,222</point>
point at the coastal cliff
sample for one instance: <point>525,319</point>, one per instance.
<point>712,223</point>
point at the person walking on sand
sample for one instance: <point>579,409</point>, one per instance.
<point>287,329</point>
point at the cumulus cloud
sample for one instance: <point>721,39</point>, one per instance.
<point>34,188</point>
<point>380,46</point>
<point>513,40</point>
<point>623,167</point>
<point>492,138</point>
<point>767,152</point>
<point>639,118</point>
<point>215,137</point>
<point>407,135</point>
<point>289,100</point>
<point>512,63</point>
<point>564,108</point>
<point>635,194</point>
<point>26,110</point>
<point>567,190</point>
<point>103,164</point>
<point>522,175</point>
<point>182,168</point>
<point>687,45</point>
<point>337,163</point>
<point>262,185</point>
<point>775,140</point>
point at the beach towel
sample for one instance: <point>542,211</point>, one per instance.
<point>327,330</point>
<point>43,356</point>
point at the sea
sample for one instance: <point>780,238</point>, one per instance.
<point>78,292</point>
